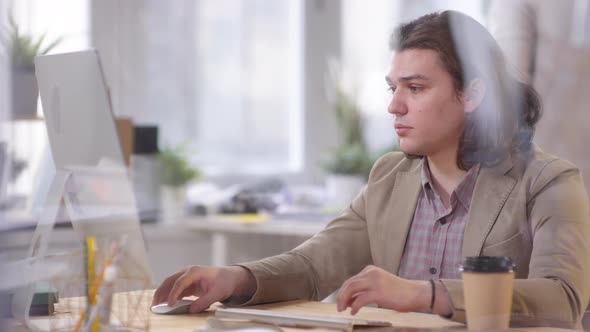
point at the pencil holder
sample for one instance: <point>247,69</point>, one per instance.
<point>89,300</point>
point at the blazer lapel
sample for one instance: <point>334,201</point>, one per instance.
<point>492,189</point>
<point>399,216</point>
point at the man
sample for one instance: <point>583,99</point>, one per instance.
<point>469,183</point>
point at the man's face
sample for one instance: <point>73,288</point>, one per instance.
<point>429,116</point>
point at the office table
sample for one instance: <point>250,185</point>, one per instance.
<point>197,240</point>
<point>400,321</point>
<point>220,228</point>
<point>411,320</point>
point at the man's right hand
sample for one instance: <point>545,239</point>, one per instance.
<point>210,284</point>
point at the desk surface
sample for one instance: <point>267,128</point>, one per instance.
<point>283,226</point>
<point>400,321</point>
<point>414,320</point>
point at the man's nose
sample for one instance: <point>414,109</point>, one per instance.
<point>397,106</point>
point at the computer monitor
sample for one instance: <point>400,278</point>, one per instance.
<point>77,110</point>
<point>85,143</point>
<point>91,178</point>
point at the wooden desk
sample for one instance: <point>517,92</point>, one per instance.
<point>400,321</point>
<point>413,320</point>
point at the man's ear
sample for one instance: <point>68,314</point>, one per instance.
<point>473,94</point>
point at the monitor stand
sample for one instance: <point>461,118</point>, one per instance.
<point>31,265</point>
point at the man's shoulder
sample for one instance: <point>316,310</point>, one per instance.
<point>544,167</point>
<point>392,163</point>
<point>546,162</point>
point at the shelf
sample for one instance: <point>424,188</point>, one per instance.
<point>28,118</point>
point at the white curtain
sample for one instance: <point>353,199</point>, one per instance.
<point>219,76</point>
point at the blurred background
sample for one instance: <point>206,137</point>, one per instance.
<point>248,124</point>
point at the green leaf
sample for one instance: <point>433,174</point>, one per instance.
<point>35,46</point>
<point>351,159</point>
<point>51,46</point>
<point>176,170</point>
<point>24,48</point>
<point>353,156</point>
<point>12,23</point>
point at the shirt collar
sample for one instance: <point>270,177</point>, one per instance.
<point>465,188</point>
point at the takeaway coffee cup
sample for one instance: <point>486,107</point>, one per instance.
<point>487,287</point>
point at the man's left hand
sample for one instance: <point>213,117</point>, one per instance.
<point>375,285</point>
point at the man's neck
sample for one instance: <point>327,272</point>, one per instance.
<point>445,173</point>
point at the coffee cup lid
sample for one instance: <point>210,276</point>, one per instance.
<point>487,264</point>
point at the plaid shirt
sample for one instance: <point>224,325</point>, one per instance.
<point>434,245</point>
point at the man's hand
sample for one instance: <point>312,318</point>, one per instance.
<point>210,284</point>
<point>375,285</point>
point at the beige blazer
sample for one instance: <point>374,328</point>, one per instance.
<point>535,212</point>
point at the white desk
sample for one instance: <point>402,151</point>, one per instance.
<point>220,228</point>
<point>189,241</point>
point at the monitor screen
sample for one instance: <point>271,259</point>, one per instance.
<point>85,145</point>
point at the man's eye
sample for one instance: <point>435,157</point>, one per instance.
<point>415,88</point>
<point>391,89</point>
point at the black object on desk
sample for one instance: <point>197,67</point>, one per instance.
<point>43,303</point>
<point>264,195</point>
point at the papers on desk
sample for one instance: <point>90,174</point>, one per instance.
<point>245,218</point>
<point>290,319</point>
<point>259,218</point>
<point>236,325</point>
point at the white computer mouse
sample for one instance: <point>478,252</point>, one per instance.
<point>180,307</point>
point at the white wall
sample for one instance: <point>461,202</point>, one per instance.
<point>4,99</point>
<point>4,69</point>
<point>322,41</point>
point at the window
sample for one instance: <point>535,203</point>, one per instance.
<point>66,19</point>
<point>222,76</point>
<point>248,78</point>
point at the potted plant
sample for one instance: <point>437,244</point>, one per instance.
<point>23,49</point>
<point>176,173</point>
<point>349,165</point>
<point>352,157</point>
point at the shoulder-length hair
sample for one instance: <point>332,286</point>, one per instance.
<point>504,122</point>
